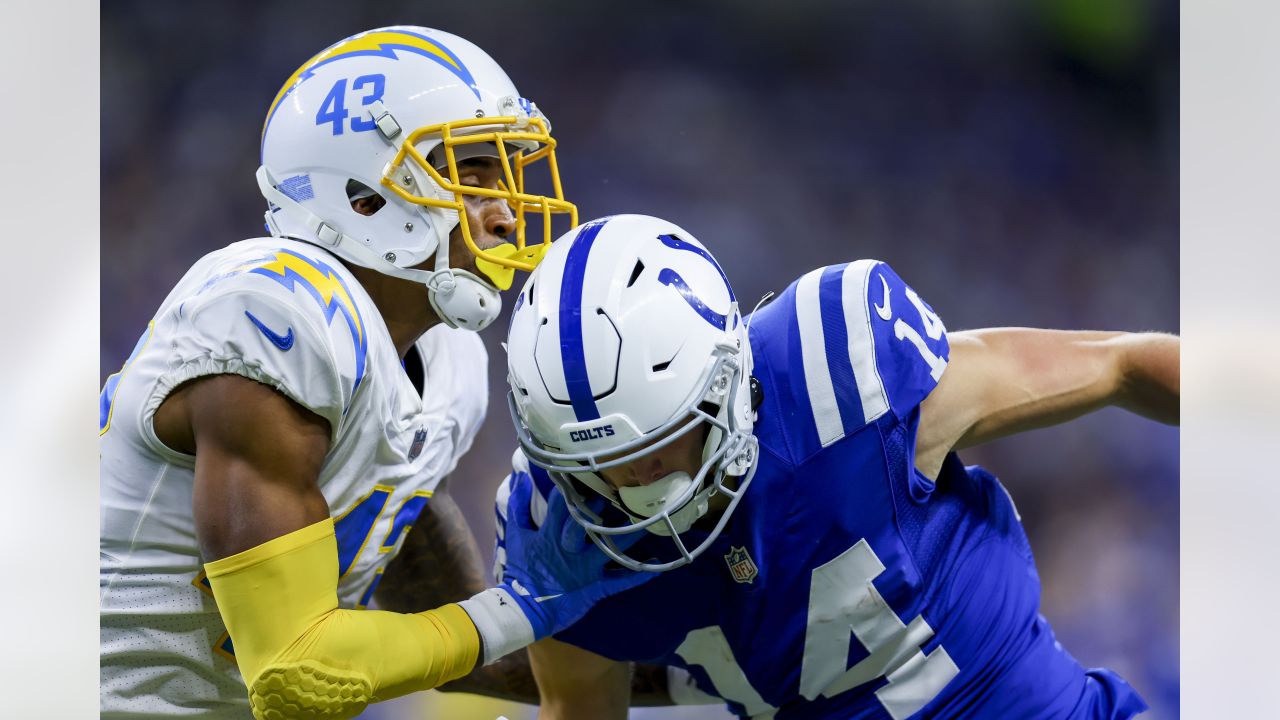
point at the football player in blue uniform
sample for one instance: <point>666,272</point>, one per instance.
<point>821,550</point>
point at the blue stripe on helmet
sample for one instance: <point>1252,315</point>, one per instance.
<point>670,277</point>
<point>676,243</point>
<point>572,354</point>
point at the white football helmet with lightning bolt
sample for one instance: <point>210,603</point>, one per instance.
<point>393,111</point>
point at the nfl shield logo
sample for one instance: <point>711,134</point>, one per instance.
<point>419,439</point>
<point>741,566</point>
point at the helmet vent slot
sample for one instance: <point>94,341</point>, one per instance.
<point>662,365</point>
<point>635,273</point>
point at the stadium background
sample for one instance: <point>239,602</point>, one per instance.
<point>1016,162</point>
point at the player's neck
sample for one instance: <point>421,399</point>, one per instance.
<point>403,305</point>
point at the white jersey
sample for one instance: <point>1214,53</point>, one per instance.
<point>289,315</point>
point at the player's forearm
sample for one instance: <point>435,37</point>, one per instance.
<point>1150,366</point>
<point>280,605</point>
<point>577,684</point>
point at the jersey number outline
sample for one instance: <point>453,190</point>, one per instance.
<point>933,327</point>
<point>843,600</point>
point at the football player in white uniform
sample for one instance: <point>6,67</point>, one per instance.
<point>297,399</point>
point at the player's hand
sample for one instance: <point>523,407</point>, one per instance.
<point>554,571</point>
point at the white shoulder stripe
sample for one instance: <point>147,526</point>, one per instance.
<point>862,347</point>
<point>813,350</point>
<point>502,499</point>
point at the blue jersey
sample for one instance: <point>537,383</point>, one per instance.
<point>847,584</point>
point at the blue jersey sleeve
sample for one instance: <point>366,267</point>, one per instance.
<point>910,340</point>
<point>847,344</point>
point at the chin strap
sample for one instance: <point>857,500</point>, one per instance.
<point>459,298</point>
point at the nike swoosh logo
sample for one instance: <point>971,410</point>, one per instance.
<point>545,598</point>
<point>284,342</point>
<point>885,312</point>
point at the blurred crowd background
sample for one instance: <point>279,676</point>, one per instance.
<point>1016,161</point>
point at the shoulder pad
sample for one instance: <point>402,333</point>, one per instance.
<point>290,322</point>
<point>845,345</point>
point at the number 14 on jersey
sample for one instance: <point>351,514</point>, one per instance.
<point>842,601</point>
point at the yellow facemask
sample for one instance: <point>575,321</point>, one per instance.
<point>499,263</point>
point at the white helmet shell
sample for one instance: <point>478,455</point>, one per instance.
<point>356,116</point>
<point>627,336</point>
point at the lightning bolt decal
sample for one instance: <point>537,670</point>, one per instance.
<point>327,288</point>
<point>375,43</point>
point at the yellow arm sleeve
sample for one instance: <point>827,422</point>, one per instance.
<point>301,655</point>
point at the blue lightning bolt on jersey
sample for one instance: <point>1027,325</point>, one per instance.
<point>847,584</point>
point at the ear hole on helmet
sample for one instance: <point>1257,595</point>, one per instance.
<point>364,199</point>
<point>635,273</point>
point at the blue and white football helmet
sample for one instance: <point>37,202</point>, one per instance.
<point>393,111</point>
<point>626,337</point>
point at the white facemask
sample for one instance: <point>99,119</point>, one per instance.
<point>661,496</point>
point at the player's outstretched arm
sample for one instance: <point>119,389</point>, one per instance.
<point>577,684</point>
<point>265,530</point>
<point>1002,381</point>
<point>440,563</point>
